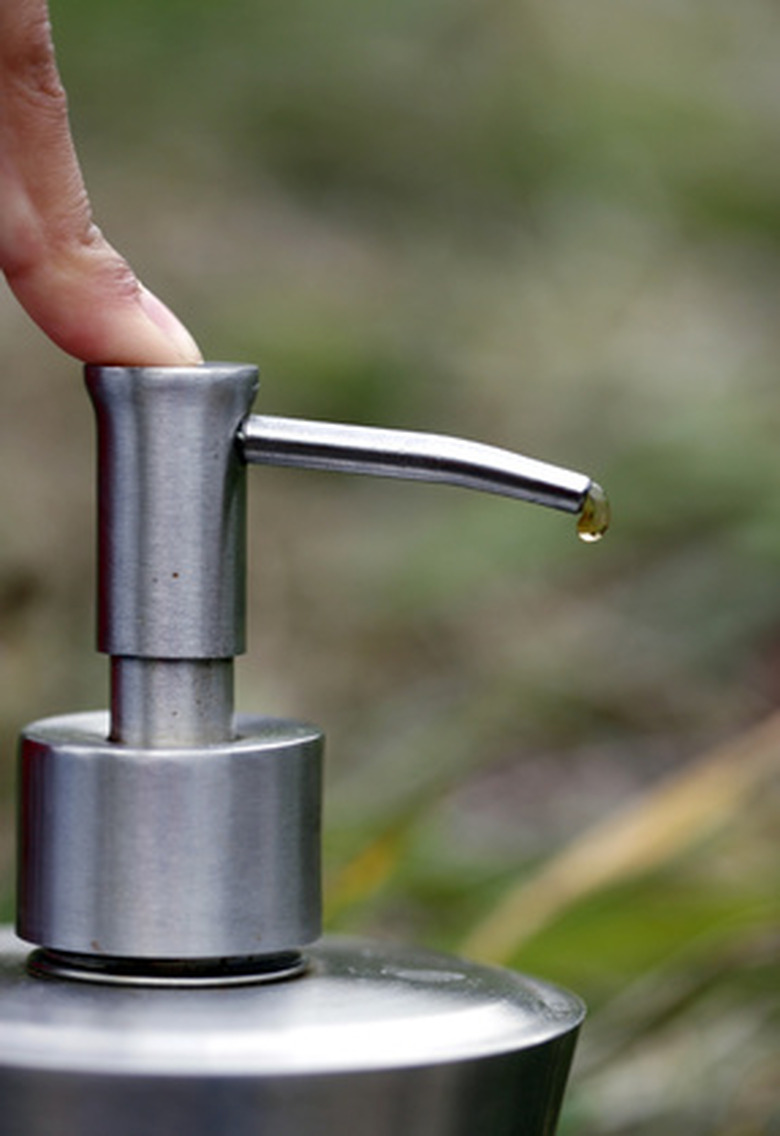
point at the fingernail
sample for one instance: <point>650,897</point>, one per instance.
<point>171,325</point>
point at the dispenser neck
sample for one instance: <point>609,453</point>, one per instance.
<point>172,540</point>
<point>166,842</point>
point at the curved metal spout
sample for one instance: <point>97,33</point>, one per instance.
<point>413,456</point>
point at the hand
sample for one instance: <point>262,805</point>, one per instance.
<point>79,290</point>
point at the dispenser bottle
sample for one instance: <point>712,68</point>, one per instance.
<point>169,851</point>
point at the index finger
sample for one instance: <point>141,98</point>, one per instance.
<point>80,291</point>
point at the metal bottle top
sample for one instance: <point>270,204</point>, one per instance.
<point>372,1041</point>
<point>170,834</point>
<point>362,1007</point>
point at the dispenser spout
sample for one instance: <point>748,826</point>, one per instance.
<point>416,456</point>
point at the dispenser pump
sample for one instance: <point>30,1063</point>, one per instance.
<point>171,840</point>
<point>169,844</point>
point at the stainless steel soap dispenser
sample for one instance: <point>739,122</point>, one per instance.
<point>169,852</point>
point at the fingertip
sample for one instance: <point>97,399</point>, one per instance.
<point>171,326</point>
<point>92,306</point>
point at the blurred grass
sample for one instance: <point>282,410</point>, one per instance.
<point>553,226</point>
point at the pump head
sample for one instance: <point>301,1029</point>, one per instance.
<point>169,841</point>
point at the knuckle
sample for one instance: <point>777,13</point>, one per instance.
<point>32,69</point>
<point>118,278</point>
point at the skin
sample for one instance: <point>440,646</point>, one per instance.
<point>70,280</point>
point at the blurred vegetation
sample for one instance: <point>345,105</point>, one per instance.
<point>554,226</point>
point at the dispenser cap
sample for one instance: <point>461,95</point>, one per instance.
<point>167,831</point>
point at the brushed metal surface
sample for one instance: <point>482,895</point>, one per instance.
<point>374,1041</point>
<point>171,702</point>
<point>170,853</point>
<point>171,496</point>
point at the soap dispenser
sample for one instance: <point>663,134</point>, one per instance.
<point>169,851</point>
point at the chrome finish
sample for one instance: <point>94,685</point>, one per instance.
<point>171,490</point>
<point>373,1041</point>
<point>202,853</point>
<point>411,456</point>
<point>171,702</point>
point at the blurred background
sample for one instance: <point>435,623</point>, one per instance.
<point>554,226</point>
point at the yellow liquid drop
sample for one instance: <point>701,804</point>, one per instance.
<point>594,519</point>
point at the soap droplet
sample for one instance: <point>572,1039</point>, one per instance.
<point>594,519</point>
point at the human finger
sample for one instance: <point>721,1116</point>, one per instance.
<point>78,288</point>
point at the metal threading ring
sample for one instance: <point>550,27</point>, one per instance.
<point>181,973</point>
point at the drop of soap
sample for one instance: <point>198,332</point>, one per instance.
<point>594,519</point>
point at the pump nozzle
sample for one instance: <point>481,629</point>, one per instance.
<point>424,457</point>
